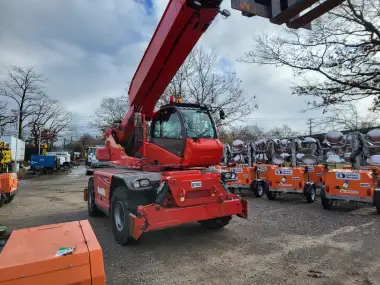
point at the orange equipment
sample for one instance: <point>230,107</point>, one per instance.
<point>353,185</point>
<point>254,175</point>
<point>289,180</point>
<point>238,159</point>
<point>309,153</point>
<point>41,255</point>
<point>8,187</point>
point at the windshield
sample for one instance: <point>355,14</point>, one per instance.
<point>198,123</point>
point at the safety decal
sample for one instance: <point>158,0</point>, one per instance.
<point>245,175</point>
<point>296,178</point>
<point>262,168</point>
<point>284,172</point>
<point>196,184</point>
<point>364,184</point>
<point>101,191</point>
<point>346,191</point>
<point>237,170</point>
<point>310,169</point>
<point>319,174</point>
<point>347,176</point>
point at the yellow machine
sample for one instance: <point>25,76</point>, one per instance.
<point>8,181</point>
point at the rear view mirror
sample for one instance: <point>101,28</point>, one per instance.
<point>222,115</point>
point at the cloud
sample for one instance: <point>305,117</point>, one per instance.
<point>87,49</point>
<point>90,48</point>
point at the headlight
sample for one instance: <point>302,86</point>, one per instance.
<point>141,183</point>
<point>227,175</point>
<point>144,182</point>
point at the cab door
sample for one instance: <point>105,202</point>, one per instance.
<point>167,131</point>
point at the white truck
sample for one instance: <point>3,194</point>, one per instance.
<point>17,147</point>
<point>63,157</point>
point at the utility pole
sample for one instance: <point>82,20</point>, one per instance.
<point>310,122</point>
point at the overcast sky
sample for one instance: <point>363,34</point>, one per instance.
<point>89,49</point>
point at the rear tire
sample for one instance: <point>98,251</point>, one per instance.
<point>216,223</point>
<point>93,211</point>
<point>120,216</point>
<point>310,193</point>
<point>377,199</point>
<point>1,199</point>
<point>9,198</point>
<point>326,203</point>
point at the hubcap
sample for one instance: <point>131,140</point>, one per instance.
<point>260,190</point>
<point>313,194</point>
<point>119,216</point>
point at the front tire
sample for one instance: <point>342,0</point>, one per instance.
<point>93,211</point>
<point>120,216</point>
<point>216,223</point>
<point>310,193</point>
<point>258,188</point>
<point>326,203</point>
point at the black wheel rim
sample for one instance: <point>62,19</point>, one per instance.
<point>119,216</point>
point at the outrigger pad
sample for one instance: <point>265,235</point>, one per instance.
<point>29,256</point>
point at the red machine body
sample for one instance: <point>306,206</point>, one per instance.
<point>162,178</point>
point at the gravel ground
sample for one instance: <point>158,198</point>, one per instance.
<point>283,242</point>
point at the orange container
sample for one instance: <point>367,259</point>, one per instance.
<point>29,257</point>
<point>8,182</point>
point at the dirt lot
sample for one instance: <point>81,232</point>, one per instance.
<point>282,242</point>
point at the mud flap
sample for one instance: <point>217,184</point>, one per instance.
<point>244,212</point>
<point>85,194</point>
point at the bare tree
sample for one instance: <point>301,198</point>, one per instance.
<point>201,80</point>
<point>6,118</point>
<point>345,117</point>
<point>337,62</point>
<point>50,118</point>
<point>282,132</point>
<point>111,112</point>
<point>25,88</point>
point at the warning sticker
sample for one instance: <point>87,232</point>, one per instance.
<point>364,184</point>
<point>319,174</point>
<point>262,168</point>
<point>296,178</point>
<point>347,176</point>
<point>196,184</point>
<point>346,191</point>
<point>245,175</point>
<point>284,172</point>
<point>101,191</point>
<point>310,169</point>
<point>237,170</point>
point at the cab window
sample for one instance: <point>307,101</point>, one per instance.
<point>167,125</point>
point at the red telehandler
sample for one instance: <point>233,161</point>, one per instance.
<point>163,179</point>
